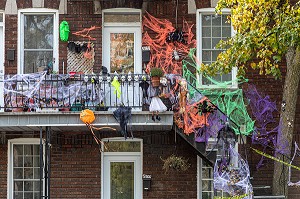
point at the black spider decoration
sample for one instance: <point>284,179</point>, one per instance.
<point>205,107</point>
<point>176,36</point>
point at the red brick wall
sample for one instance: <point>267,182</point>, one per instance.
<point>2,4</point>
<point>3,171</point>
<point>76,166</point>
<point>21,4</point>
<point>11,42</point>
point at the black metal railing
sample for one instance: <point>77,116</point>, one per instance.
<point>56,92</point>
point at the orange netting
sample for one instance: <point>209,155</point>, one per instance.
<point>85,33</point>
<point>162,51</point>
<point>190,120</point>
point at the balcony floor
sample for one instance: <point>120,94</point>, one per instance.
<point>70,121</point>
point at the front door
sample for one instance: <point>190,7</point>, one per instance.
<point>122,170</point>
<point>122,56</point>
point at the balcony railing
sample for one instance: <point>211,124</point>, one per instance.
<point>40,92</point>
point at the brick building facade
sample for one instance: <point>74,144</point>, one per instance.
<point>76,162</point>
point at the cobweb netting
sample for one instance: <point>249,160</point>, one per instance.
<point>39,90</point>
<point>232,175</point>
<point>166,41</point>
<point>297,184</point>
<point>230,102</point>
<point>266,127</point>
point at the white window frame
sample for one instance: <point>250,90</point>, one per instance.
<point>139,184</point>
<point>199,46</point>
<point>38,11</point>
<point>129,27</point>
<point>24,141</point>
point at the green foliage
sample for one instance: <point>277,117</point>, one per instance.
<point>156,72</point>
<point>265,29</point>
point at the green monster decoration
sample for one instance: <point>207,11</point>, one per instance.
<point>64,31</point>
<point>230,102</point>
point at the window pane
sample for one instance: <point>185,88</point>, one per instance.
<point>122,180</point>
<point>28,195</point>
<point>206,173</point>
<point>35,61</point>
<point>28,161</point>
<point>120,17</point>
<point>18,195</point>
<point>206,32</point>
<point>18,186</point>
<point>122,52</point>
<point>28,173</point>
<point>215,41</point>
<point>226,32</point>
<point>207,195</point>
<point>216,32</point>
<point>28,186</point>
<point>1,17</point>
<point>38,31</point>
<point>227,77</point>
<point>206,43</point>
<point>215,54</point>
<point>216,20</point>
<point>18,173</point>
<point>36,185</point>
<point>206,20</point>
<point>206,185</point>
<point>119,146</point>
<point>206,56</point>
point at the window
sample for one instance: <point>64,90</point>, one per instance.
<point>122,40</point>
<point>206,189</point>
<point>212,28</point>
<point>24,168</point>
<point>38,40</point>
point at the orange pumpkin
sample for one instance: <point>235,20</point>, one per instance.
<point>87,116</point>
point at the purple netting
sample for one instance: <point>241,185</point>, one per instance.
<point>232,175</point>
<point>216,122</point>
<point>266,130</point>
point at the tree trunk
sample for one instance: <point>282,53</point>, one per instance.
<point>287,118</point>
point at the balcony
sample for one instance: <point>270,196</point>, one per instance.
<point>38,100</point>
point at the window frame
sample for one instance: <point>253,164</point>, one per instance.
<point>124,154</point>
<point>234,84</point>
<point>11,143</point>
<point>124,27</point>
<point>39,11</point>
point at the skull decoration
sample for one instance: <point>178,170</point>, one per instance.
<point>86,78</point>
<point>129,77</point>
<point>100,79</point>
<point>136,78</point>
<point>144,77</point>
<point>123,78</point>
<point>108,78</point>
<point>163,81</point>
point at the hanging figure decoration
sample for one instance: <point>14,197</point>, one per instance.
<point>123,116</point>
<point>156,104</point>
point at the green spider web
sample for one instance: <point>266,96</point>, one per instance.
<point>229,101</point>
